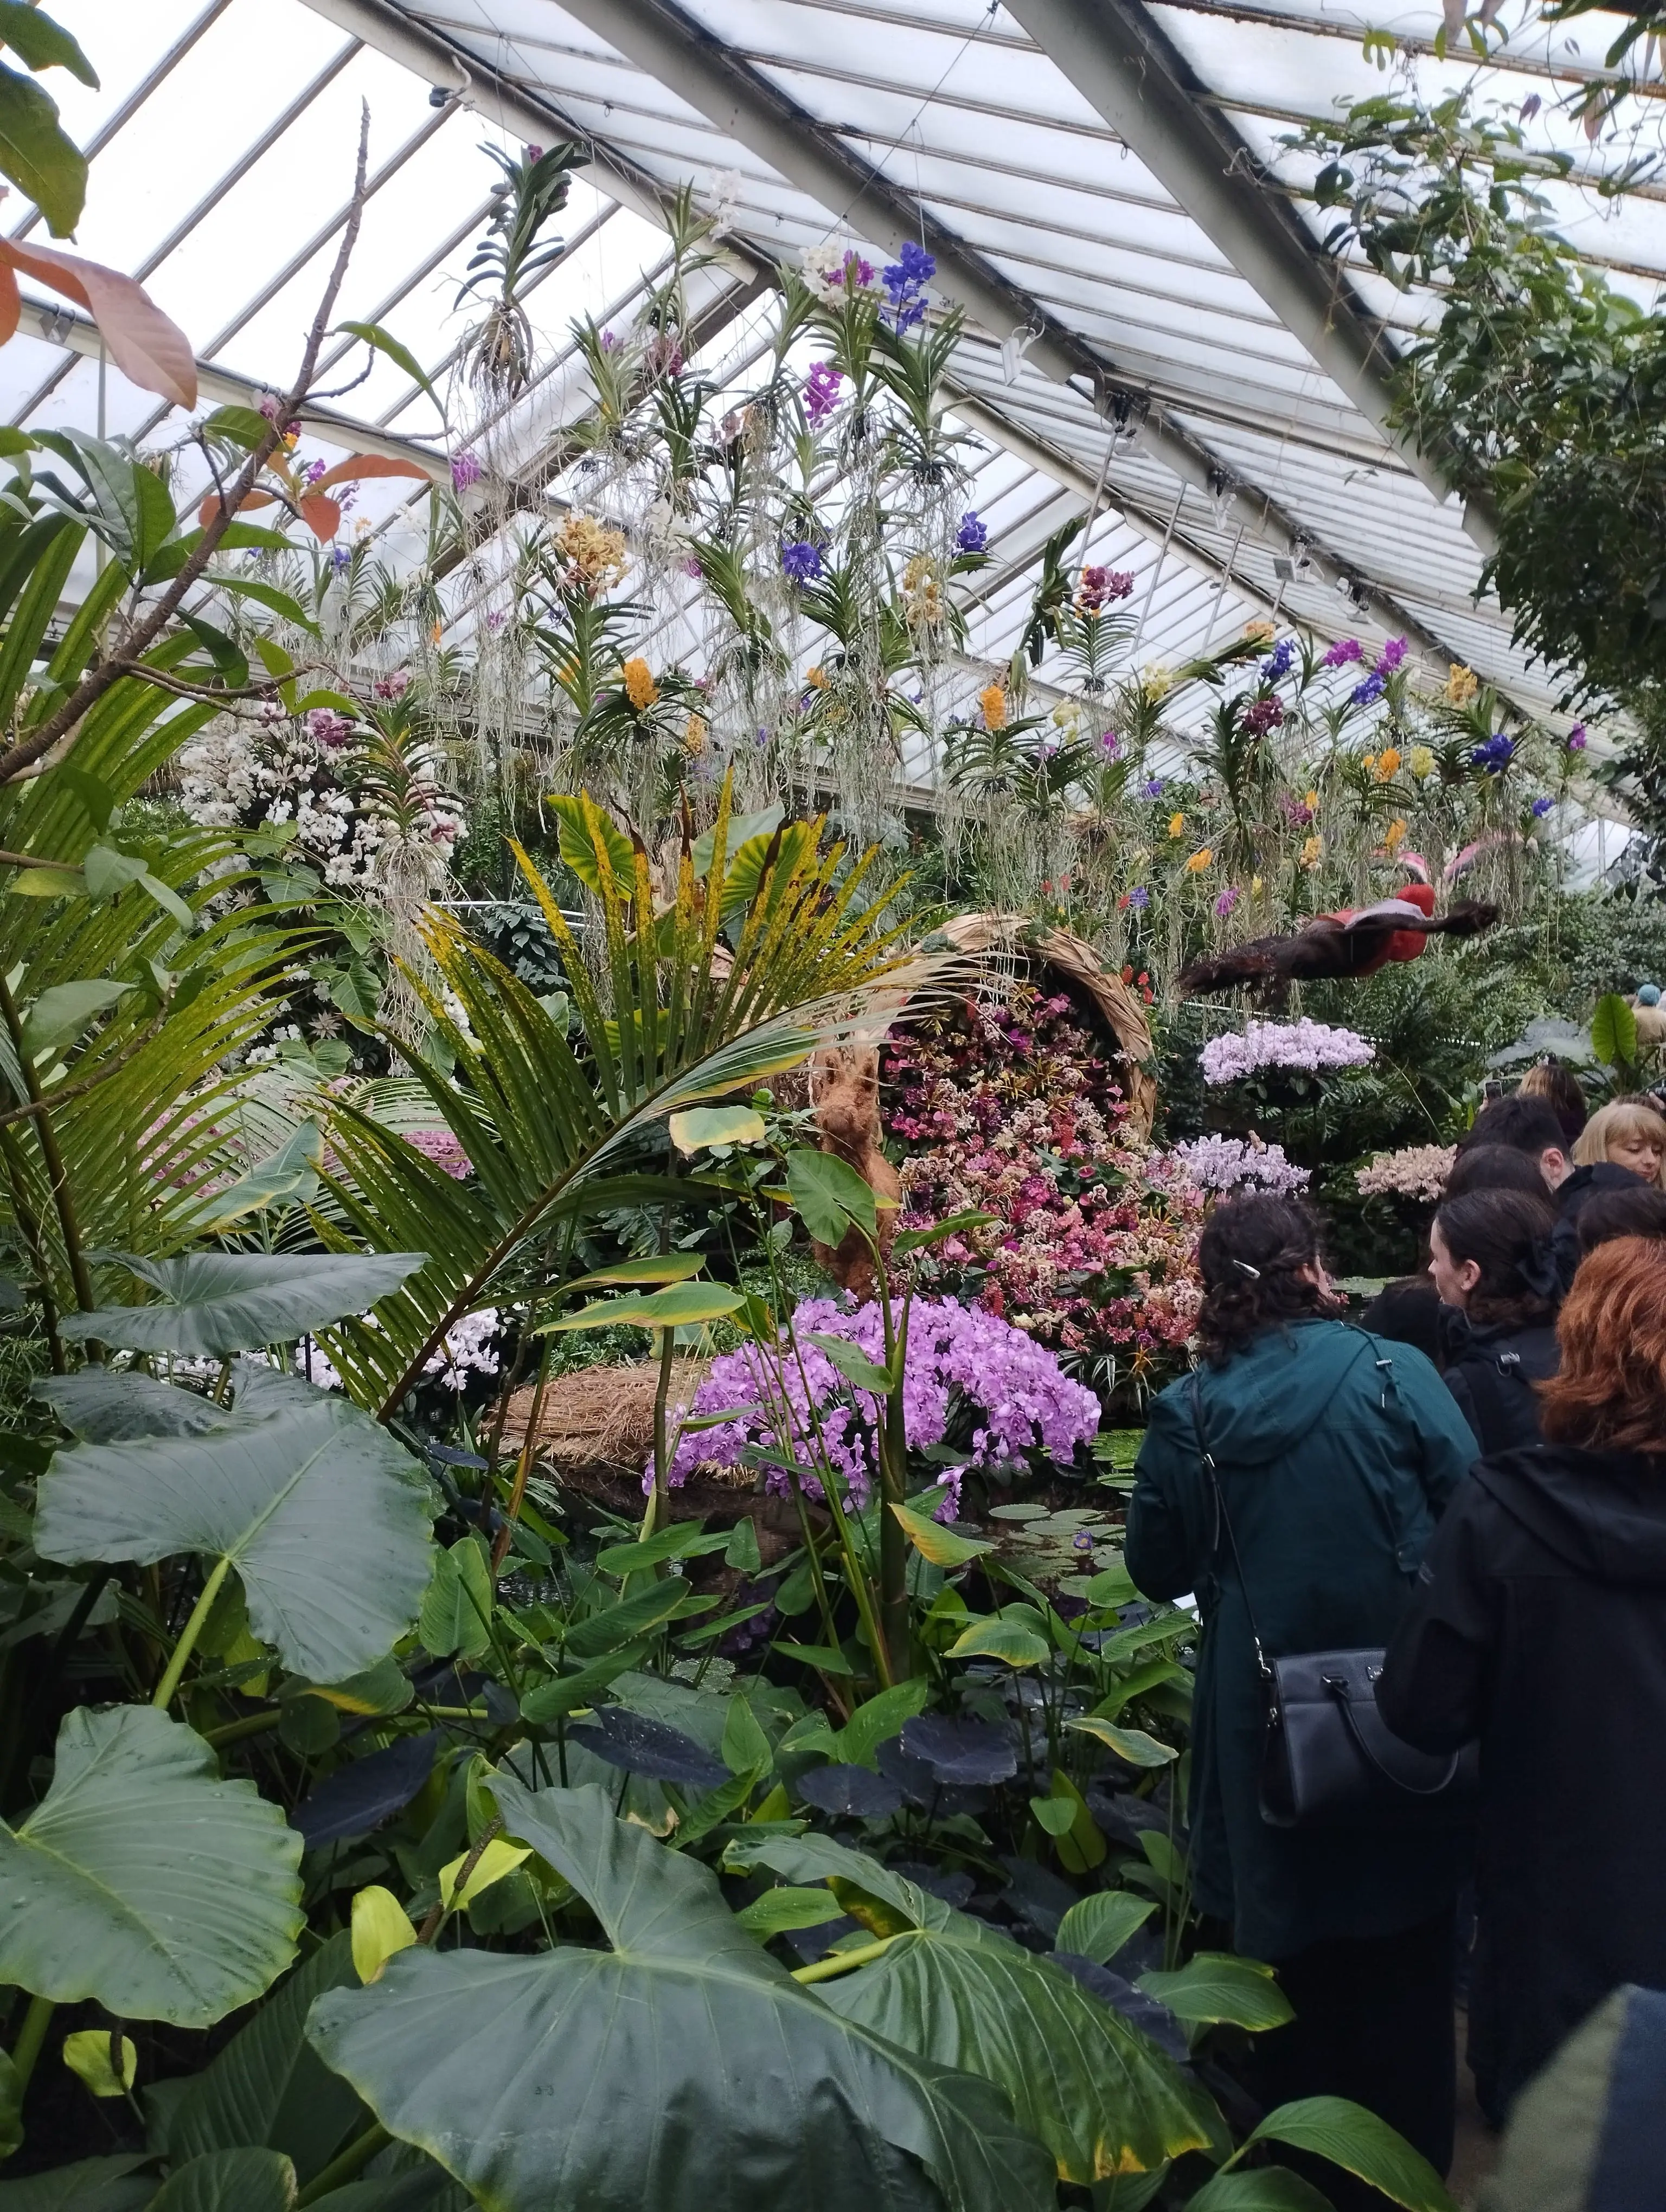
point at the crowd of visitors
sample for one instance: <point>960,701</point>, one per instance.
<point>1459,1501</point>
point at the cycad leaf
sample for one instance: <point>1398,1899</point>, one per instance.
<point>326,1518</point>
<point>145,1881</point>
<point>682,2069</point>
<point>679,1305</point>
<point>1102,2096</point>
<point>214,1304</point>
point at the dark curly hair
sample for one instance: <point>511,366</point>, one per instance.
<point>1251,1255</point>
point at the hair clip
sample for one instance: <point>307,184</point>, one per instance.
<point>1244,1268</point>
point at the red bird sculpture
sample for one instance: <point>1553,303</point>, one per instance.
<point>1357,941</point>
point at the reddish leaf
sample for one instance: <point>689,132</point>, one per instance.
<point>321,516</point>
<point>148,349</point>
<point>210,507</point>
<point>359,465</point>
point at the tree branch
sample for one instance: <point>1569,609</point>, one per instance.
<point>28,750</point>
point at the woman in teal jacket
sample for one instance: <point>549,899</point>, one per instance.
<point>1336,1451</point>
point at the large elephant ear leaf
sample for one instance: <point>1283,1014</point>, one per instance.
<point>123,2184</point>
<point>682,2069</point>
<point>325,1517</point>
<point>213,1303</point>
<point>1102,2096</point>
<point>229,2181</point>
<point>144,1881</point>
<point>269,2087</point>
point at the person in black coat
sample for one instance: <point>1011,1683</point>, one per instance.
<point>1490,1255</point>
<point>1539,1626</point>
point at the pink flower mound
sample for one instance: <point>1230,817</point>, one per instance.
<point>1015,1111</point>
<point>443,1149</point>
<point>1024,1400</point>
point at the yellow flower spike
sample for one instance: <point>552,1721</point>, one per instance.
<point>1388,764</point>
<point>1369,759</point>
<point>381,1927</point>
<point>1422,763</point>
<point>1393,836</point>
<point>1255,887</point>
<point>1311,798</point>
<point>438,631</point>
<point>815,678</point>
<point>1156,682</point>
<point>1177,825</point>
<point>1313,852</point>
<point>694,734</point>
<point>640,687</point>
<point>1203,858</point>
<point>1461,685</point>
<point>1260,630</point>
<point>991,702</point>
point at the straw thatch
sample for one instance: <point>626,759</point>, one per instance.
<point>599,1417</point>
<point>1054,956</point>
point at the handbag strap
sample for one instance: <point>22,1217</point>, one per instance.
<point>1224,1520</point>
<point>1338,1688</point>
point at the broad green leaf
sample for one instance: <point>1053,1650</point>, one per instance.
<point>1131,1744</point>
<point>657,1267</point>
<point>941,1546</point>
<point>1056,1814</point>
<point>567,1693</point>
<point>108,872</point>
<point>855,1366</point>
<point>1213,1985</point>
<point>144,1881</point>
<point>742,1551</point>
<point>1350,2136</point>
<point>1097,1927</point>
<point>1259,2188</point>
<point>652,2072</point>
<point>457,1606</point>
<point>384,342</point>
<point>786,1907</point>
<point>61,1012</point>
<point>107,2061</point>
<point>628,1621</point>
<point>41,159</point>
<point>716,1125</point>
<point>1613,1030</point>
<point>288,1175</point>
<point>879,1719</point>
<point>229,2181</point>
<point>741,830</point>
<point>41,43</point>
<point>687,1539</point>
<point>240,425</point>
<point>326,1518</point>
<point>829,1195</point>
<point>954,1225</point>
<point>91,2184</point>
<point>597,852</point>
<point>214,1304</point>
<point>281,602</point>
<point>105,1406</point>
<point>677,1306</point>
<point>1100,2096</point>
<point>12,2086</point>
<point>381,1927</point>
<point>268,2087</point>
<point>1009,1641</point>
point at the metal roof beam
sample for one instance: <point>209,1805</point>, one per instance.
<point>1126,67</point>
<point>224,387</point>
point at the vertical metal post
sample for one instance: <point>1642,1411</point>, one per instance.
<point>1162,554</point>
<point>1220,590</point>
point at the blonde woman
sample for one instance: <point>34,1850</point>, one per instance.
<point>1631,1133</point>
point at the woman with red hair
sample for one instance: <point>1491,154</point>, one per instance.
<point>1539,1626</point>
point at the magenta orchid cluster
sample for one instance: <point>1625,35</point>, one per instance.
<point>821,391</point>
<point>1013,1110</point>
<point>1311,1047</point>
<point>956,1355</point>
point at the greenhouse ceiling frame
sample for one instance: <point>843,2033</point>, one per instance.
<point>663,41</point>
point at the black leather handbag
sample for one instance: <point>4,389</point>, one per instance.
<point>1329,1758</point>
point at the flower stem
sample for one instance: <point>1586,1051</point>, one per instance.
<point>843,1962</point>
<point>357,2155</point>
<point>30,2038</point>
